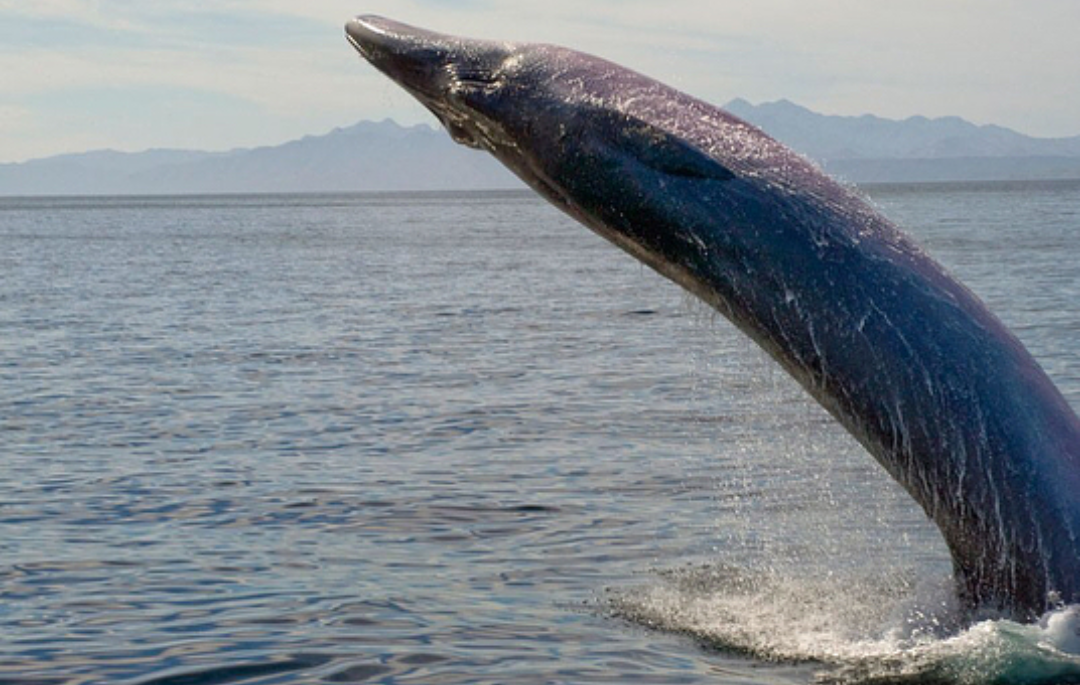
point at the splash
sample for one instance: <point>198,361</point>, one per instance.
<point>894,627</point>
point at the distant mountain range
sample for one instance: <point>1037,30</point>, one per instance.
<point>872,149</point>
<point>384,156</point>
<point>369,156</point>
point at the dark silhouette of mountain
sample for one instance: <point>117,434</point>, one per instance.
<point>383,156</point>
<point>871,148</point>
<point>368,156</point>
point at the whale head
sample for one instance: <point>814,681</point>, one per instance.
<point>577,128</point>
<point>457,79</point>
<point>511,99</point>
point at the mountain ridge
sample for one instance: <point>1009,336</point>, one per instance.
<point>384,156</point>
<point>828,137</point>
<point>367,156</point>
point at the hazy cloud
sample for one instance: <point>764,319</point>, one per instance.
<point>259,71</point>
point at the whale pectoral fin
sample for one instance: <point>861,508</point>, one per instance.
<point>669,154</point>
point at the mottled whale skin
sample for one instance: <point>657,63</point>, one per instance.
<point>903,355</point>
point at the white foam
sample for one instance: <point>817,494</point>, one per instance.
<point>895,627</point>
<point>1060,630</point>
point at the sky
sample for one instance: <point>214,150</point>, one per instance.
<point>79,75</point>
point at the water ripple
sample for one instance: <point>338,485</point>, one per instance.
<point>419,439</point>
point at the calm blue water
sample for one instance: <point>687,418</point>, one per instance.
<point>459,439</point>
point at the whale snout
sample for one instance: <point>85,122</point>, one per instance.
<point>417,59</point>
<point>439,70</point>
<point>364,33</point>
<point>372,35</point>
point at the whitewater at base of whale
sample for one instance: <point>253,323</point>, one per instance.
<point>890,627</point>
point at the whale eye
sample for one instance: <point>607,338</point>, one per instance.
<point>475,77</point>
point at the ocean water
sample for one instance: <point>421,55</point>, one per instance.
<point>456,438</point>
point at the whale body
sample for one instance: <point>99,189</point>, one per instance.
<point>909,360</point>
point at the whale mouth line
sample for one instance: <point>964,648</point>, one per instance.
<point>359,47</point>
<point>365,48</point>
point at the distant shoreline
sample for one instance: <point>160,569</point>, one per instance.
<point>523,193</point>
<point>385,157</point>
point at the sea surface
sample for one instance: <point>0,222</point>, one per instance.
<point>456,438</point>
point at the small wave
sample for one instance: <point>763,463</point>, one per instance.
<point>233,673</point>
<point>890,628</point>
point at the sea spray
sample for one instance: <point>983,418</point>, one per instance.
<point>900,626</point>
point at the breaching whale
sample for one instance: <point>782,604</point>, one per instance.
<point>908,359</point>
